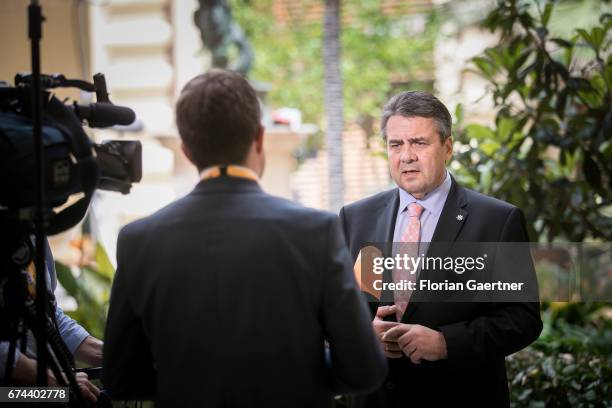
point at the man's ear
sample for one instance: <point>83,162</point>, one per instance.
<point>187,153</point>
<point>259,139</point>
<point>448,146</point>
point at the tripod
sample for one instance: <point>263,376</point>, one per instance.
<point>19,312</point>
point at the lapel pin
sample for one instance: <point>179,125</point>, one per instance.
<point>459,217</point>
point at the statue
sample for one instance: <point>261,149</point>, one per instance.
<point>219,31</point>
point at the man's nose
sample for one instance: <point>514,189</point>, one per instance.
<point>408,154</point>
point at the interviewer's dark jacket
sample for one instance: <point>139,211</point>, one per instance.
<point>224,299</point>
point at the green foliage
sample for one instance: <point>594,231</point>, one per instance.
<point>550,153</point>
<point>559,380</point>
<point>572,327</point>
<point>377,50</point>
<point>287,58</point>
<point>90,286</point>
<point>550,150</point>
<point>570,365</point>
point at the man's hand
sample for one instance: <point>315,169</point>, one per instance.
<point>25,373</point>
<point>418,342</point>
<point>391,349</point>
<point>90,391</point>
<point>90,351</point>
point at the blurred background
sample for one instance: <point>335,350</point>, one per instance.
<point>528,84</point>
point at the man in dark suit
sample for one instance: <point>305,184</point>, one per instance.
<point>441,352</point>
<point>226,297</point>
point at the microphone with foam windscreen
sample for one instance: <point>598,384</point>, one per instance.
<point>103,114</point>
<point>366,276</point>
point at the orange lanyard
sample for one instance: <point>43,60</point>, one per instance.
<point>231,170</point>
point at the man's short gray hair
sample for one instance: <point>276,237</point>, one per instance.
<point>417,104</point>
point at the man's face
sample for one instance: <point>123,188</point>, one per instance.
<point>417,157</point>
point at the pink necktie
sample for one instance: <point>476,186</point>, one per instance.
<point>412,236</point>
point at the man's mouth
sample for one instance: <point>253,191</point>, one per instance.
<point>409,171</point>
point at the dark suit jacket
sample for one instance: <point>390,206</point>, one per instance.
<point>478,334</point>
<point>224,299</point>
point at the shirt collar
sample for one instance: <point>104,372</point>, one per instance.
<point>432,202</point>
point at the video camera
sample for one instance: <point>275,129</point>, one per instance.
<point>73,163</point>
<point>68,163</point>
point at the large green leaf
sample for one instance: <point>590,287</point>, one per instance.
<point>104,266</point>
<point>505,127</point>
<point>479,132</point>
<point>548,9</point>
<point>66,278</point>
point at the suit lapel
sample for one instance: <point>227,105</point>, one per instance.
<point>385,226</point>
<point>452,218</point>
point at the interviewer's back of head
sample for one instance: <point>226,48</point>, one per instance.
<point>218,117</point>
